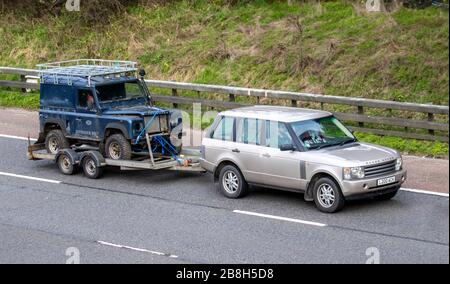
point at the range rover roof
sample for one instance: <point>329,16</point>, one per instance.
<point>276,113</point>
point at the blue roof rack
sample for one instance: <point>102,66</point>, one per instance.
<point>64,72</point>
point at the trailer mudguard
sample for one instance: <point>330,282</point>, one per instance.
<point>96,156</point>
<point>71,154</point>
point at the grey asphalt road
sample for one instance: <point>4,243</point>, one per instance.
<point>171,217</point>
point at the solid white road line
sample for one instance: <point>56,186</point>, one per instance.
<point>30,178</point>
<point>16,137</point>
<point>424,192</point>
<point>280,218</point>
<point>137,249</point>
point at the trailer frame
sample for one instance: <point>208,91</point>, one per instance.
<point>187,161</point>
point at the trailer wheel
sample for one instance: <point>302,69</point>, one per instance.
<point>65,165</point>
<point>90,168</point>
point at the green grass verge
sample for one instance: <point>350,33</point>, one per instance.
<point>29,101</point>
<point>329,47</point>
<point>407,146</point>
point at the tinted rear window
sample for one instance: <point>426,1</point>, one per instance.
<point>57,96</point>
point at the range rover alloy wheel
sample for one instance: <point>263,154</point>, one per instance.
<point>327,195</point>
<point>231,182</point>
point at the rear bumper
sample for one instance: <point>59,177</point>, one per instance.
<point>355,188</point>
<point>210,167</point>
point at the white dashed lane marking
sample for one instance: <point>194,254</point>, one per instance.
<point>280,218</point>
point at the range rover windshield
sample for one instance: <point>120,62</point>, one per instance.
<point>322,132</point>
<point>122,94</point>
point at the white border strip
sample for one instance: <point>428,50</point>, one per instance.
<point>137,249</point>
<point>424,192</point>
<point>280,218</point>
<point>16,137</point>
<point>30,178</point>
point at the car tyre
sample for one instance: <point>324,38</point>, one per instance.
<point>328,196</point>
<point>55,141</point>
<point>90,168</point>
<point>65,165</point>
<point>117,147</point>
<point>231,182</point>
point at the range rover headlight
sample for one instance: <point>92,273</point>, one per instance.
<point>398,164</point>
<point>353,172</point>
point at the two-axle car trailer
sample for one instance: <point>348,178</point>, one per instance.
<point>92,162</point>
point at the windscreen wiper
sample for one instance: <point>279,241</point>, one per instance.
<point>347,141</point>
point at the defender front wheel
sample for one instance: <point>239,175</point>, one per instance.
<point>117,147</point>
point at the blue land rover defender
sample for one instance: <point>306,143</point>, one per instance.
<point>103,103</point>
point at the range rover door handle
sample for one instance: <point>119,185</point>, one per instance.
<point>236,150</point>
<point>266,155</point>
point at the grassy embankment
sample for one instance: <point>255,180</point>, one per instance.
<point>331,48</point>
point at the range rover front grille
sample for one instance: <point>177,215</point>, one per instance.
<point>380,169</point>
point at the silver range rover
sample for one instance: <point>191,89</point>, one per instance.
<point>300,150</point>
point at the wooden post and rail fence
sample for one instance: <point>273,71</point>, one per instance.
<point>429,122</point>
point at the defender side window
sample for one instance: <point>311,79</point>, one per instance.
<point>85,99</point>
<point>224,130</point>
<point>277,134</point>
<point>249,131</point>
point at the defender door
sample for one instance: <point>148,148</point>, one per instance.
<point>86,118</point>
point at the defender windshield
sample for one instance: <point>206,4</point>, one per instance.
<point>322,132</point>
<point>129,91</point>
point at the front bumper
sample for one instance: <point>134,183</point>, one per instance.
<point>369,185</point>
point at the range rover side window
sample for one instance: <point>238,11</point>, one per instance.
<point>249,131</point>
<point>224,130</point>
<point>277,134</point>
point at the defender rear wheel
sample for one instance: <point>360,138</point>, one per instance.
<point>117,147</point>
<point>55,141</point>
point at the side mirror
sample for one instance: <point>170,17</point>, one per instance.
<point>287,147</point>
